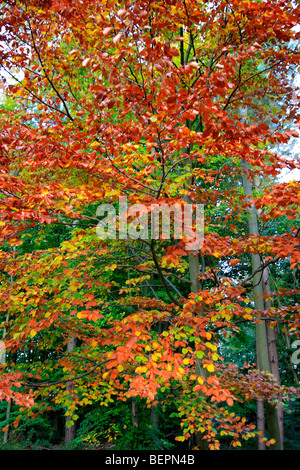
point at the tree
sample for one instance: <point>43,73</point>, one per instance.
<point>142,100</point>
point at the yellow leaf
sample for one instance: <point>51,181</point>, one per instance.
<point>32,333</point>
<point>200,380</point>
<point>211,346</point>
<point>156,356</point>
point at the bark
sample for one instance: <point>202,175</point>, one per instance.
<point>154,420</point>
<point>70,430</point>
<point>154,415</point>
<point>194,269</point>
<point>272,348</point>
<point>8,410</point>
<point>194,272</point>
<point>260,413</point>
<point>262,350</point>
<point>134,413</point>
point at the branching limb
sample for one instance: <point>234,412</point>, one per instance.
<point>61,381</point>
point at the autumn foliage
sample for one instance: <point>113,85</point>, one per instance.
<point>166,101</point>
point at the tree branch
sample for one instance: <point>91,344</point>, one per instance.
<point>56,382</point>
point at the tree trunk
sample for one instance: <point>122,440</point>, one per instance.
<point>272,348</point>
<point>154,416</point>
<point>262,350</point>
<point>70,430</point>
<point>260,413</point>
<point>4,359</point>
<point>194,269</point>
<point>5,435</point>
<point>154,420</point>
<point>134,413</point>
<point>194,272</point>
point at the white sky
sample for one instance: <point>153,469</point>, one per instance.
<point>295,174</point>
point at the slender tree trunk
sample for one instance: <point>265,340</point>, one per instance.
<point>194,269</point>
<point>134,413</point>
<point>154,415</point>
<point>154,420</point>
<point>70,430</point>
<point>8,410</point>
<point>194,272</point>
<point>262,349</point>
<point>272,348</point>
<point>260,414</point>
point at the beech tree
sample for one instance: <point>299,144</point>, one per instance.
<point>143,100</point>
